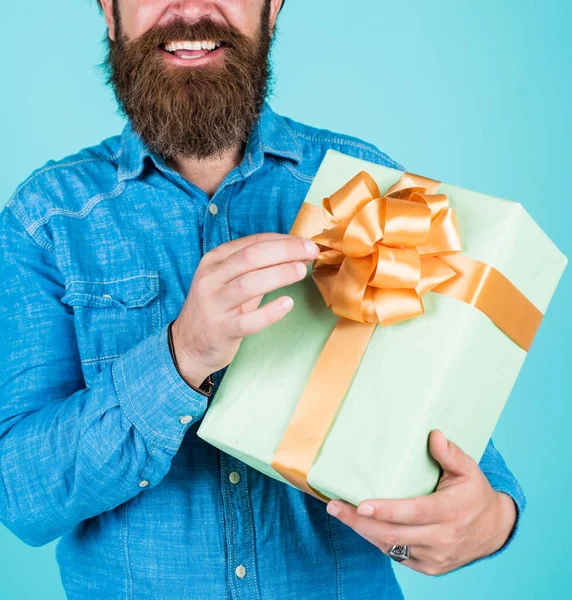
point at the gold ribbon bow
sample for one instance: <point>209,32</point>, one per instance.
<point>379,256</point>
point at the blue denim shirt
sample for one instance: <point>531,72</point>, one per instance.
<point>97,254</point>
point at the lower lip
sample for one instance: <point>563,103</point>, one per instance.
<point>193,62</point>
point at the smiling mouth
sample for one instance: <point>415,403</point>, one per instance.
<point>191,50</point>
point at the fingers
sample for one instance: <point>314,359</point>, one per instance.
<point>424,566</point>
<point>262,281</point>
<point>256,320</point>
<point>385,535</point>
<point>424,510</point>
<point>263,254</point>
<point>437,556</point>
<point>433,549</point>
<point>223,251</point>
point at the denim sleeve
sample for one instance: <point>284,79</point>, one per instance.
<point>502,480</point>
<point>67,452</point>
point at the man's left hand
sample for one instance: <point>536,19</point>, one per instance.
<point>462,520</point>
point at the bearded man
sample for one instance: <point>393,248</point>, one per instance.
<point>131,272</point>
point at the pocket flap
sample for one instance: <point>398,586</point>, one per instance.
<point>132,291</point>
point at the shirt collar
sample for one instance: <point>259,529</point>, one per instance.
<point>133,154</point>
<point>277,137</point>
<point>271,135</point>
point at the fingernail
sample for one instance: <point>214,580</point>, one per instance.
<point>301,268</point>
<point>333,509</point>
<point>440,433</point>
<point>366,510</point>
<point>311,248</point>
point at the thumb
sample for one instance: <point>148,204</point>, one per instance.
<point>451,458</point>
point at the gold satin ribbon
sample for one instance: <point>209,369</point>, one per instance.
<point>379,256</point>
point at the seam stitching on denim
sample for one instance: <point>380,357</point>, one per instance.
<point>343,142</point>
<point>136,170</point>
<point>54,212</point>
<point>22,218</point>
<point>138,413</point>
<point>46,169</point>
<point>131,403</point>
<point>297,174</point>
<point>232,535</point>
<point>251,525</point>
<point>88,361</point>
<point>150,276</point>
<point>336,559</point>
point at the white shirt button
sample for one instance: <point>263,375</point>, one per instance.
<point>106,296</point>
<point>186,419</point>
<point>213,209</point>
<point>240,571</point>
<point>234,477</point>
<point>143,483</point>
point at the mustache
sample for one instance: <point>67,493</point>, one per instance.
<point>179,29</point>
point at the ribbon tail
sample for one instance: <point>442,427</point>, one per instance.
<point>324,279</point>
<point>320,401</point>
<point>489,291</point>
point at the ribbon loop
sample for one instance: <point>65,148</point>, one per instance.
<point>406,223</point>
<point>343,204</point>
<point>372,267</point>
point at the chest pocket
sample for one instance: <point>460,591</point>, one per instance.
<point>112,315</point>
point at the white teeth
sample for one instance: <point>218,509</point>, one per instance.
<point>192,45</point>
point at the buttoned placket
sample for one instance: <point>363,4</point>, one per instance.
<point>238,521</point>
<point>237,509</point>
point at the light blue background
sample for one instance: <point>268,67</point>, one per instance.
<point>476,94</point>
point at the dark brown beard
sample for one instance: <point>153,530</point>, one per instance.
<point>191,112</point>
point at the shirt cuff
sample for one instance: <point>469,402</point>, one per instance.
<point>510,486</point>
<point>155,398</point>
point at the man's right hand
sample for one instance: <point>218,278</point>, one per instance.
<point>221,307</point>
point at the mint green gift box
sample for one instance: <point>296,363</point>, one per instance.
<point>450,369</point>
